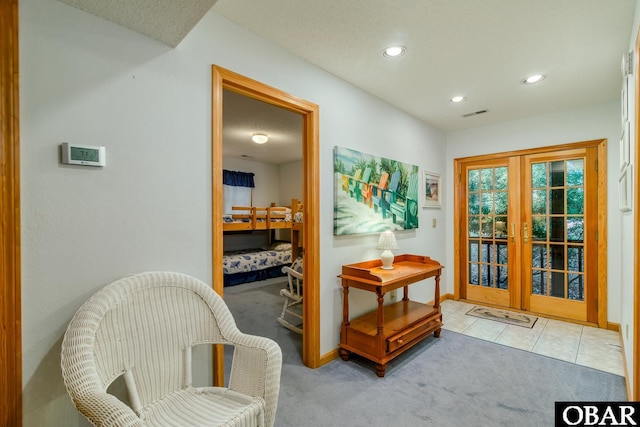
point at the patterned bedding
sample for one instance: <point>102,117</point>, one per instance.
<point>253,259</point>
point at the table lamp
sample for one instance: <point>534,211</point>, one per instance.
<point>386,242</point>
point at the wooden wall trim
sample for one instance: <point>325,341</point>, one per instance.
<point>226,79</point>
<point>10,299</point>
<point>635,381</point>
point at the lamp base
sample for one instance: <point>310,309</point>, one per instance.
<point>387,260</point>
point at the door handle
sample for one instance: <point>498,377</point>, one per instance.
<point>526,232</point>
<point>513,232</point>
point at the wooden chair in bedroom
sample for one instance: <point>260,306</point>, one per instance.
<point>143,327</point>
<point>292,307</point>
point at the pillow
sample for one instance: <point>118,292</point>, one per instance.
<point>280,246</point>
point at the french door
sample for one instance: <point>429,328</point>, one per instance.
<point>528,230</point>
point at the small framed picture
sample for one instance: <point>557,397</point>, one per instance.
<point>431,190</point>
<point>625,189</point>
<point>624,145</point>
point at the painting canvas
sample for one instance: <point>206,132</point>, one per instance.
<point>373,194</point>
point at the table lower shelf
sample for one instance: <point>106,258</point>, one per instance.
<point>405,324</point>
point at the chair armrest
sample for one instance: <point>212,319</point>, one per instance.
<point>105,410</point>
<point>291,271</point>
<point>255,370</point>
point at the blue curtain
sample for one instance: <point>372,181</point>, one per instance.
<point>238,179</point>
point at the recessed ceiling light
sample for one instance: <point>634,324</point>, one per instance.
<point>394,51</point>
<point>259,138</point>
<point>535,78</point>
<point>458,98</point>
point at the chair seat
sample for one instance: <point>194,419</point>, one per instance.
<point>205,407</point>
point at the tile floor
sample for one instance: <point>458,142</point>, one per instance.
<point>593,347</point>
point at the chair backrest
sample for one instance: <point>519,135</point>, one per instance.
<point>395,181</point>
<point>144,326</point>
<point>412,187</point>
<point>297,265</point>
<point>366,176</point>
<point>384,180</point>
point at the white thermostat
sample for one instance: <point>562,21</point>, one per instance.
<point>84,155</point>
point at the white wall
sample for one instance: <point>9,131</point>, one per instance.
<point>86,80</point>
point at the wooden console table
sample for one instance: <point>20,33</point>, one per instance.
<point>387,332</point>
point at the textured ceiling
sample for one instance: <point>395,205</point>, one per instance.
<point>167,21</point>
<point>481,49</point>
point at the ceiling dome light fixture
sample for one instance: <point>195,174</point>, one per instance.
<point>394,51</point>
<point>458,98</point>
<point>259,138</point>
<point>535,78</point>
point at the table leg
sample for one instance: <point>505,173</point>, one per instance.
<point>380,370</point>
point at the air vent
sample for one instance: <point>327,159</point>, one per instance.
<point>475,113</point>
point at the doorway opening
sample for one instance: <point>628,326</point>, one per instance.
<point>225,80</point>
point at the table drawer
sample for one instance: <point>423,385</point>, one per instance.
<point>405,337</point>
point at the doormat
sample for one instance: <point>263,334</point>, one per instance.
<point>509,317</point>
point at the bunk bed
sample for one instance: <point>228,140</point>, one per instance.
<point>249,265</point>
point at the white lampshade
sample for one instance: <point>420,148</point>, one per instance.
<point>386,243</point>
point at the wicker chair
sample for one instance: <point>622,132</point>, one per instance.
<point>143,327</point>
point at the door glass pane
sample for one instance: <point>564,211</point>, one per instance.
<point>502,253</point>
<point>474,204</point>
<point>556,232</point>
<point>474,226</point>
<point>539,282</point>
<point>557,284</point>
<point>473,274</point>
<point>473,251</point>
<point>557,201</point>
<point>539,256</point>
<point>576,286</point>
<point>474,180</point>
<point>487,216</point>
<point>539,228</point>
<point>575,172</point>
<point>501,178</point>
<point>557,219</point>
<point>575,201</point>
<point>575,258</point>
<point>500,200</point>
<point>487,226</point>
<point>557,257</point>
<point>501,227</point>
<point>487,179</point>
<point>575,229</point>
<point>557,174</point>
<point>539,202</point>
<point>539,175</point>
<point>487,203</point>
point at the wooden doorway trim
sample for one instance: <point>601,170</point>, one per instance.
<point>224,79</point>
<point>601,144</point>
<point>635,380</point>
<point>10,299</point>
